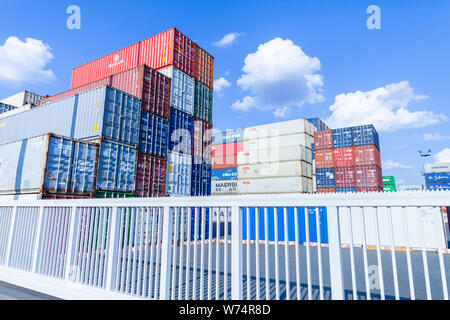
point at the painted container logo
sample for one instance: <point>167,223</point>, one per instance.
<point>116,61</point>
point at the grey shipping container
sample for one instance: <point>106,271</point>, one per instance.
<point>102,112</point>
<point>48,164</point>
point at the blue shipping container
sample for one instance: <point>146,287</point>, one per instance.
<point>227,136</point>
<point>102,112</point>
<point>181,129</point>
<point>116,167</point>
<point>224,174</point>
<point>49,164</point>
<point>438,186</point>
<point>5,108</point>
<point>313,151</point>
<point>365,135</point>
<point>179,174</point>
<point>325,178</point>
<point>153,136</point>
<point>442,177</point>
<point>200,234</point>
<point>345,190</point>
<point>201,178</point>
<point>342,137</point>
<point>312,211</point>
<point>319,124</point>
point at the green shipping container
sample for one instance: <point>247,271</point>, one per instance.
<point>389,189</point>
<point>203,102</point>
<point>110,194</point>
<point>388,181</point>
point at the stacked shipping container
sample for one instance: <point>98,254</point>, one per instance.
<point>389,184</point>
<point>5,108</point>
<point>348,160</point>
<point>170,97</point>
<point>276,158</point>
<point>437,176</point>
<point>225,148</point>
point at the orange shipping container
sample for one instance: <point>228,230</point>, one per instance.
<point>204,68</point>
<point>324,159</point>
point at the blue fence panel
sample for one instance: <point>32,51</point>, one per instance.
<point>290,224</point>
<point>201,178</point>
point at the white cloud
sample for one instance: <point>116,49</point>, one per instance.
<point>279,75</point>
<point>435,137</point>
<point>221,84</point>
<point>282,112</point>
<point>227,40</point>
<point>24,62</point>
<point>385,107</point>
<point>443,156</point>
<point>390,164</point>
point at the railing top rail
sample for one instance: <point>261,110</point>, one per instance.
<point>394,199</point>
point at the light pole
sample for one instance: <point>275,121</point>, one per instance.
<point>425,155</point>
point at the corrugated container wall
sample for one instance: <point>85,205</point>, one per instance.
<point>202,139</point>
<point>277,129</point>
<point>150,176</point>
<point>204,68</point>
<point>116,167</point>
<point>182,89</point>
<point>342,137</point>
<point>179,174</point>
<point>203,102</point>
<point>275,185</point>
<point>293,153</point>
<point>147,84</point>
<point>153,135</point>
<point>170,47</point>
<point>181,130</point>
<point>365,135</point>
<point>103,112</point>
<point>227,136</point>
<point>437,167</point>
<point>201,178</point>
<point>48,164</point>
<point>5,108</point>
<point>323,140</point>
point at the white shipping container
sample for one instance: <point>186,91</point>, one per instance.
<point>275,185</point>
<point>437,167</point>
<point>279,142</point>
<point>16,111</point>
<point>277,169</point>
<point>279,129</point>
<point>293,153</point>
<point>224,187</point>
<point>182,91</point>
<point>414,187</point>
<point>179,174</point>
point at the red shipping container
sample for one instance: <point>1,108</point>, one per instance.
<point>368,176</point>
<point>204,68</point>
<point>343,157</point>
<point>369,189</point>
<point>168,48</point>
<point>143,82</point>
<point>367,155</point>
<point>224,162</point>
<point>150,176</point>
<point>324,158</point>
<point>202,139</point>
<point>344,177</point>
<point>326,190</point>
<point>323,140</point>
<point>227,149</point>
<point>59,196</point>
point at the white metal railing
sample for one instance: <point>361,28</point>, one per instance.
<point>333,246</point>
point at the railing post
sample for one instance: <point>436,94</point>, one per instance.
<point>37,241</point>
<point>71,245</point>
<point>166,254</point>
<point>10,236</point>
<point>236,254</point>
<point>112,248</point>
<point>334,238</point>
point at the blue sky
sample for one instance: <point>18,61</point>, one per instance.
<point>312,54</point>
